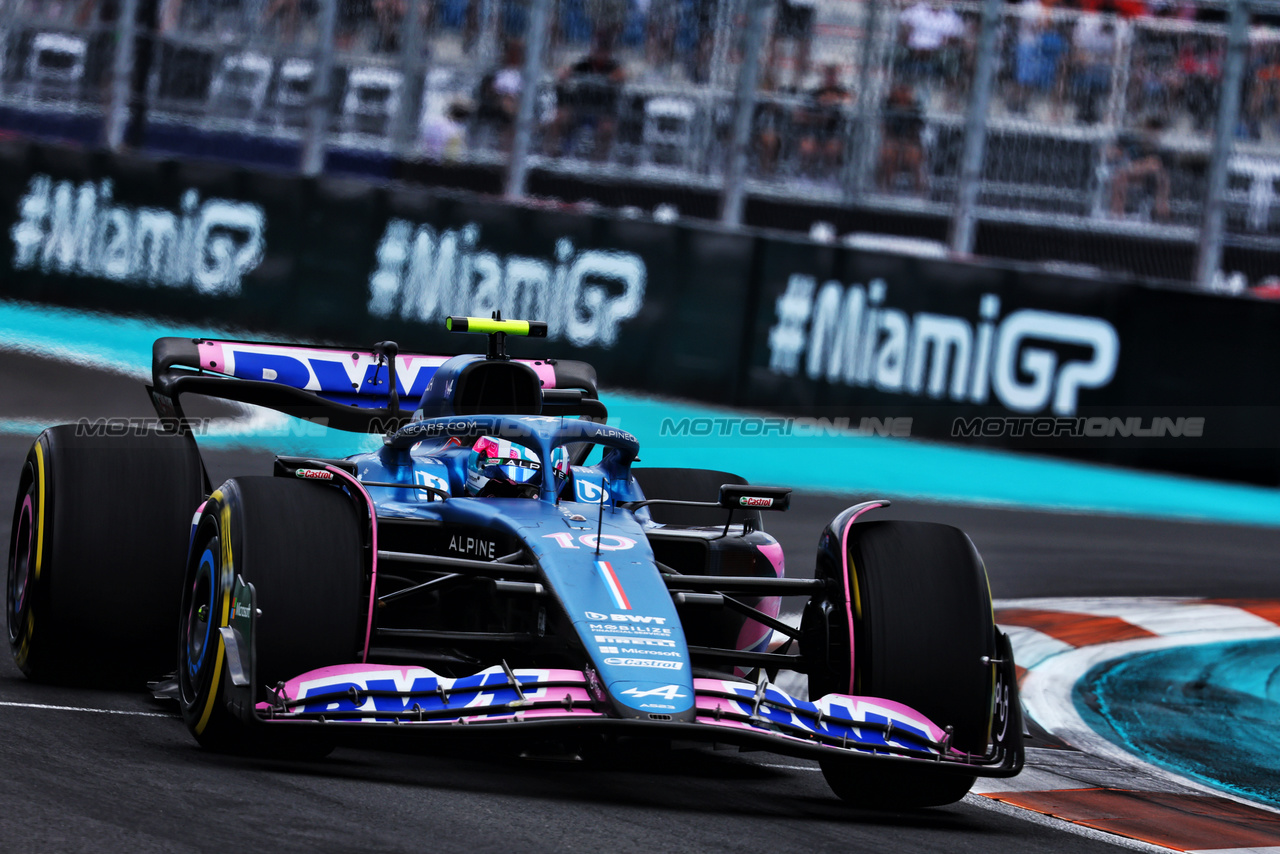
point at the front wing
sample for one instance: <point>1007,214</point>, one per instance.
<point>761,716</point>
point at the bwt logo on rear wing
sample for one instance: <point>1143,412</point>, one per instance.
<point>338,372</point>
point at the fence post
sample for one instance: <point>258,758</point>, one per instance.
<point>322,74</point>
<point>406,124</point>
<point>1212,225</point>
<point>744,107</point>
<point>860,159</point>
<point>122,75</point>
<point>526,120</point>
<point>975,131</point>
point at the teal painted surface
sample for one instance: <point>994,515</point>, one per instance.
<point>1210,712</point>
<point>830,463</point>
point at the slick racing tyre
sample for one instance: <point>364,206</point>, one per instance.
<point>299,545</point>
<point>96,551</point>
<point>922,625</point>
<point>691,485</point>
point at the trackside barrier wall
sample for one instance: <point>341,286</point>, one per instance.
<point>980,353</point>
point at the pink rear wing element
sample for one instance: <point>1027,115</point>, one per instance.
<point>348,375</point>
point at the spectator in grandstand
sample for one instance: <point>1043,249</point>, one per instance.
<point>1093,51</point>
<point>352,16</point>
<point>793,21</point>
<point>902,143</point>
<point>389,15</point>
<point>1199,72</point>
<point>1137,158</point>
<point>587,96</point>
<point>1123,8</point>
<point>444,137</point>
<point>770,121</point>
<point>933,39</point>
<point>499,95</point>
<point>1262,87</point>
<point>1039,58</point>
<point>285,14</point>
<point>823,122</point>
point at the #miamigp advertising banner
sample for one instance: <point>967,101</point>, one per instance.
<point>901,345</point>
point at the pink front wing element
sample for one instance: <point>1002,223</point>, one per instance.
<point>755,636</point>
<point>848,599</point>
<point>837,709</point>
<point>773,551</point>
<point>406,675</point>
<point>373,547</point>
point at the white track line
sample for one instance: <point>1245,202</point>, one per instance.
<point>82,709</point>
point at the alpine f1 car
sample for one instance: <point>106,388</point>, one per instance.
<point>478,573</point>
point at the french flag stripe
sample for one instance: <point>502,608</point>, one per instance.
<point>615,586</point>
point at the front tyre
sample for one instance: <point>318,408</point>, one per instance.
<point>923,635</point>
<point>300,546</point>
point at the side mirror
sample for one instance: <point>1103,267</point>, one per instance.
<point>735,496</point>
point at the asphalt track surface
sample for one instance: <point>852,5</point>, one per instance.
<point>76,778</point>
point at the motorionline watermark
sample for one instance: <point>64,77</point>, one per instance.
<point>149,426</point>
<point>747,426</point>
<point>1091,427</point>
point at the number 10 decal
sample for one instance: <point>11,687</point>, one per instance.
<point>607,542</point>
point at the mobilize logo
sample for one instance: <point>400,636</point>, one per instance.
<point>423,275</point>
<point>1030,359</point>
<point>78,229</point>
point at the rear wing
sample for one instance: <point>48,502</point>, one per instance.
<point>345,389</point>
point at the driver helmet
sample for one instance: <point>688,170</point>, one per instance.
<point>499,468</point>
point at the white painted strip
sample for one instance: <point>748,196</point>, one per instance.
<point>1179,619</point>
<point>82,709</point>
<point>1031,647</point>
<point>1092,604</point>
<point>1160,615</point>
<point>791,767</point>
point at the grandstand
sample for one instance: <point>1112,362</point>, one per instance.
<point>1099,119</point>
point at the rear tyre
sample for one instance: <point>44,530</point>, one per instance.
<point>300,546</point>
<point>922,623</point>
<point>100,530</point>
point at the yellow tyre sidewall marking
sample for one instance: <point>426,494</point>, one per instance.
<point>29,627</point>
<point>224,573</point>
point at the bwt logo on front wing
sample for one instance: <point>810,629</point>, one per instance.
<point>585,295</point>
<point>1031,359</point>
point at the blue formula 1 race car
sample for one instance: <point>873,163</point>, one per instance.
<point>479,574</point>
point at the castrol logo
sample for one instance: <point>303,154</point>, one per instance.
<point>314,474</point>
<point>755,501</point>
